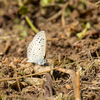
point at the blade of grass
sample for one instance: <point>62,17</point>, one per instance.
<point>20,2</point>
<point>31,25</point>
<point>28,19</point>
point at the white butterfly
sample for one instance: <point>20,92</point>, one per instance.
<point>37,49</point>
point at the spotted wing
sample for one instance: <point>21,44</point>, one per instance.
<point>37,48</point>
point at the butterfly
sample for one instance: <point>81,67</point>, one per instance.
<point>37,48</point>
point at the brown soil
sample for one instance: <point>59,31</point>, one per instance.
<point>63,48</point>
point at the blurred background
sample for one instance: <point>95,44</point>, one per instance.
<point>73,34</point>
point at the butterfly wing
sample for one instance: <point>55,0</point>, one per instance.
<point>37,48</point>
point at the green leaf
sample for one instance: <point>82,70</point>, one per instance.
<point>16,21</point>
<point>23,10</point>
<point>84,31</point>
<point>45,2</point>
<point>22,72</point>
<point>23,34</point>
<point>83,24</point>
<point>81,6</point>
<point>67,12</point>
<point>60,96</point>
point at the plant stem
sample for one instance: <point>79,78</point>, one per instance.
<point>31,25</point>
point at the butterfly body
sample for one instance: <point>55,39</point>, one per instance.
<point>37,48</point>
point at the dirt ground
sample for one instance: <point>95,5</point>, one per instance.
<point>73,48</point>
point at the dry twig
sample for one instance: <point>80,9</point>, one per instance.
<point>63,14</point>
<point>55,16</point>
<point>73,77</point>
<point>6,47</point>
<point>78,86</point>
